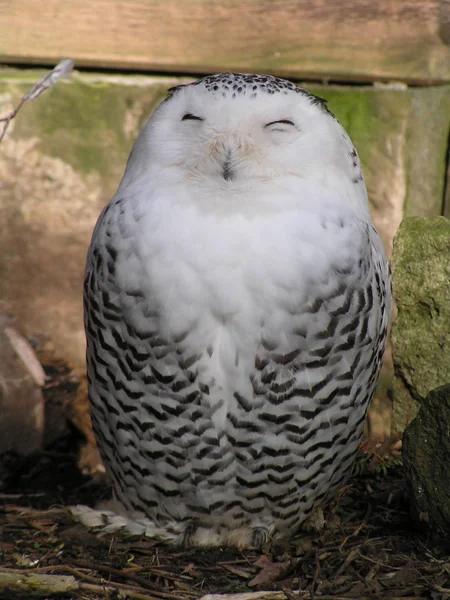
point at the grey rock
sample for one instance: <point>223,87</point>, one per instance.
<point>426,459</point>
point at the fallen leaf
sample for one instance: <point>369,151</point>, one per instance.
<point>270,571</point>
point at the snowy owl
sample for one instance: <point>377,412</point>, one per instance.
<point>237,300</point>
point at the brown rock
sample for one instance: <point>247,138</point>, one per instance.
<point>21,400</point>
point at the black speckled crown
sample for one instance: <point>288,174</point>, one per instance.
<point>234,84</point>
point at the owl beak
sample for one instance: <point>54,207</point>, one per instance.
<point>223,149</point>
<point>227,170</point>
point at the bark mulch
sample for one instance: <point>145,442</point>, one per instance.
<point>368,547</point>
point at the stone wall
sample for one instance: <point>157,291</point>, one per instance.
<point>64,154</point>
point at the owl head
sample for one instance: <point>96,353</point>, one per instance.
<point>233,133</point>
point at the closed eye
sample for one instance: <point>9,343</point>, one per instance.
<point>280,122</point>
<point>191,117</point>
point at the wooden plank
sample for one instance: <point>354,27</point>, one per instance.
<point>349,40</point>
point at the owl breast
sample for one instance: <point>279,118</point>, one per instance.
<point>231,360</point>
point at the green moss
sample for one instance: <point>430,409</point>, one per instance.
<point>367,113</point>
<point>82,122</point>
<point>421,332</point>
<point>413,119</point>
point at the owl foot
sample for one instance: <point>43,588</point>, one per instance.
<point>250,537</point>
<point>188,533</point>
<point>259,536</point>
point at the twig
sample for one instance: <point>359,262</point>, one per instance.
<point>144,583</point>
<point>36,585</point>
<point>315,578</point>
<point>251,596</point>
<point>62,70</point>
<point>282,596</point>
<point>50,570</point>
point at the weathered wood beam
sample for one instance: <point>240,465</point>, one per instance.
<point>348,40</point>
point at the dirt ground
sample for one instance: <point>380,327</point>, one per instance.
<point>368,548</point>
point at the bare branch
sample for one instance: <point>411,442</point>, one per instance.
<point>62,70</point>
